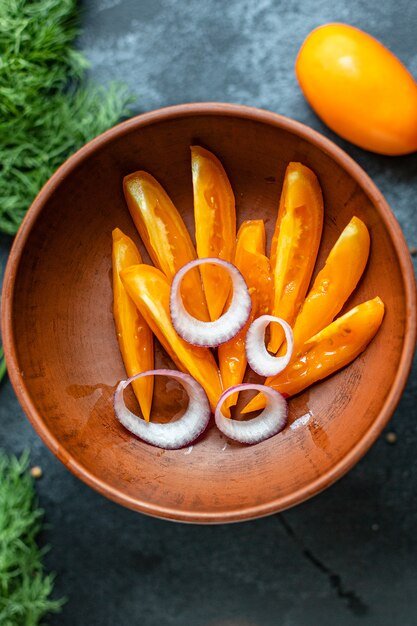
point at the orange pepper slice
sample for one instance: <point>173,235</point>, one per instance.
<point>255,267</point>
<point>295,244</point>
<point>334,283</point>
<point>251,260</point>
<point>165,236</point>
<point>329,350</point>
<point>133,333</point>
<point>149,288</point>
<point>215,224</point>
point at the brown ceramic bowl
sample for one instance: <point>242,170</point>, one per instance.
<point>60,341</point>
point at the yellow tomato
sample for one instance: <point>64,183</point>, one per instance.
<point>359,89</point>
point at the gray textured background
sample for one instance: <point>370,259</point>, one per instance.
<point>349,555</point>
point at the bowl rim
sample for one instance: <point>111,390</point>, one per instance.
<point>344,464</point>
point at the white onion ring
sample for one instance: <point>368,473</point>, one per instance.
<point>268,423</point>
<point>258,356</point>
<point>172,435</point>
<point>210,334</point>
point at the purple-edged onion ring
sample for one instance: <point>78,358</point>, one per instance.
<point>175,434</point>
<point>268,423</point>
<point>258,356</point>
<point>210,334</point>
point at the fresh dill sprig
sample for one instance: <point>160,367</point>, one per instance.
<point>3,367</point>
<point>24,587</point>
<point>47,109</point>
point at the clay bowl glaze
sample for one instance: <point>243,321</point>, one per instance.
<point>61,346</point>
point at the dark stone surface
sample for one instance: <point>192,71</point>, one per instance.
<point>349,555</point>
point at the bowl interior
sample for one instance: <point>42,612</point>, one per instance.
<point>66,353</point>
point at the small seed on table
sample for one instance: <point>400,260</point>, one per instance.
<point>36,472</point>
<point>391,437</point>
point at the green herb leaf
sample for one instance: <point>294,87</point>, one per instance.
<point>3,367</point>
<point>47,110</point>
<point>24,587</point>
